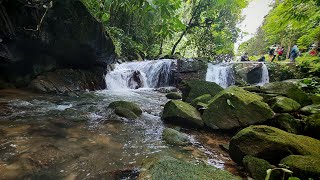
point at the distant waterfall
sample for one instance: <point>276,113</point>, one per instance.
<point>142,74</point>
<point>221,74</point>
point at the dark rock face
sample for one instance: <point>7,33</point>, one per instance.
<point>68,37</point>
<point>191,70</point>
<point>250,73</point>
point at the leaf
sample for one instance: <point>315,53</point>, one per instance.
<point>269,171</point>
<point>229,103</point>
<point>286,170</point>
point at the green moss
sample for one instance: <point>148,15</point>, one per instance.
<point>271,144</point>
<point>201,99</point>
<point>289,90</point>
<point>168,168</point>
<point>175,137</point>
<point>287,123</point>
<point>126,105</point>
<point>174,95</point>
<point>304,167</point>
<point>313,126</point>
<point>194,89</point>
<point>257,167</point>
<point>180,112</point>
<point>284,104</point>
<point>311,109</point>
<point>125,113</point>
<point>235,107</point>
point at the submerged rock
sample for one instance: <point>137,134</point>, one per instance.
<point>235,107</point>
<point>174,137</point>
<point>169,168</point>
<point>126,109</point>
<point>271,144</point>
<point>313,126</point>
<point>194,89</point>
<point>182,113</point>
<point>174,95</point>
<point>304,167</point>
<point>284,104</point>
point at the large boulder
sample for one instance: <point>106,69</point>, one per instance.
<point>313,126</point>
<point>311,109</point>
<point>256,167</point>
<point>194,89</point>
<point>168,168</point>
<point>247,73</point>
<point>38,38</point>
<point>271,144</point>
<point>174,137</point>
<point>174,95</point>
<point>179,112</point>
<point>201,99</point>
<point>235,107</point>
<point>66,81</point>
<point>304,167</point>
<point>282,104</point>
<point>287,123</point>
<point>126,109</point>
<point>287,89</point>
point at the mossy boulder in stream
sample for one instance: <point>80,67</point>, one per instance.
<point>304,167</point>
<point>126,109</point>
<point>174,95</point>
<point>271,144</point>
<point>194,89</point>
<point>256,167</point>
<point>201,99</point>
<point>284,104</point>
<point>287,123</point>
<point>235,107</point>
<point>169,168</point>
<point>311,109</point>
<point>179,112</point>
<point>313,126</point>
<point>174,137</point>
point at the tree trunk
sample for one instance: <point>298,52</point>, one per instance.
<point>176,44</point>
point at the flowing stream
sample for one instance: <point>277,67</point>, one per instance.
<point>59,137</point>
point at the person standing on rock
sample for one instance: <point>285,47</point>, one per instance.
<point>245,57</point>
<point>294,53</point>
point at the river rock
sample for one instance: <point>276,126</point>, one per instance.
<point>68,37</point>
<point>66,81</point>
<point>194,89</point>
<point>235,107</point>
<point>311,109</point>
<point>256,167</point>
<point>247,73</point>
<point>287,89</point>
<point>201,99</point>
<point>168,168</point>
<point>126,109</point>
<point>179,112</point>
<point>270,144</point>
<point>304,167</point>
<point>282,104</point>
<point>313,126</point>
<point>287,123</point>
<point>174,137</point>
<point>174,95</point>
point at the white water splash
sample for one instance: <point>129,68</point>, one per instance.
<point>264,76</point>
<point>143,74</point>
<point>221,74</point>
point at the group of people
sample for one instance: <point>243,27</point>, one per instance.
<point>274,51</point>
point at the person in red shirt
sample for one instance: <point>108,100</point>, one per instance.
<point>280,52</point>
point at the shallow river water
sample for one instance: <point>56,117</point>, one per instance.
<point>59,137</point>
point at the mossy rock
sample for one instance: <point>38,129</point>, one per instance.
<point>311,109</point>
<point>194,89</point>
<point>282,104</point>
<point>169,168</point>
<point>256,167</point>
<point>313,126</point>
<point>234,108</point>
<point>122,112</point>
<point>174,137</point>
<point>271,144</point>
<point>126,109</point>
<point>179,112</point>
<point>201,99</point>
<point>287,123</point>
<point>304,167</point>
<point>287,89</point>
<point>174,95</point>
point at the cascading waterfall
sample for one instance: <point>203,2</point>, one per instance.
<point>221,74</point>
<point>142,74</point>
<point>264,76</point>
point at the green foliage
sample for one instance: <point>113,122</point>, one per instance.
<point>310,64</point>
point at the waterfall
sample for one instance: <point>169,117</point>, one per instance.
<point>264,76</point>
<point>221,74</point>
<point>142,74</point>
